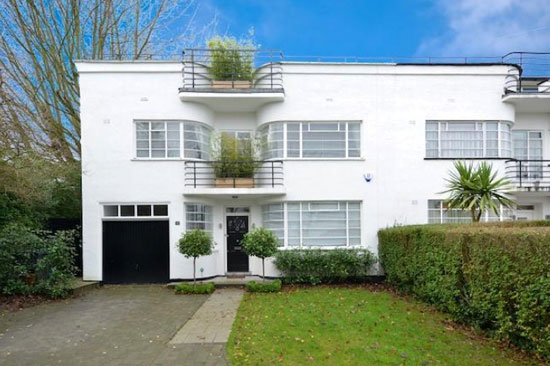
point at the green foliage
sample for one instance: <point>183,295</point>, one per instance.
<point>273,286</point>
<point>493,276</point>
<point>35,262</point>
<point>260,242</point>
<point>231,59</point>
<point>188,288</point>
<point>235,158</point>
<point>315,266</point>
<point>195,243</point>
<point>335,326</point>
<point>15,210</point>
<point>476,189</point>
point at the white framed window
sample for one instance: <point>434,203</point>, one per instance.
<point>439,214</point>
<point>198,216</point>
<point>130,210</point>
<point>315,224</point>
<point>468,139</point>
<point>528,146</point>
<point>323,140</point>
<point>172,140</point>
<point>273,217</point>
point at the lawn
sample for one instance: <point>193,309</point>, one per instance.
<point>353,326</point>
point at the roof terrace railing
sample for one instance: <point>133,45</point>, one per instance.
<point>241,70</point>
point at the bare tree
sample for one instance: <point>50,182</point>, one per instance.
<point>40,39</point>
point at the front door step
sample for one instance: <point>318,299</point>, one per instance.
<point>237,274</point>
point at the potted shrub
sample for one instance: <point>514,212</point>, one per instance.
<point>261,243</point>
<point>235,163</point>
<point>231,63</point>
<point>195,243</point>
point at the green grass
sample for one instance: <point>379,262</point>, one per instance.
<point>353,326</point>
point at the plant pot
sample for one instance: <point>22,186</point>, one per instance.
<point>228,84</point>
<point>234,183</point>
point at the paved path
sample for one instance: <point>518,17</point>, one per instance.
<point>114,325</point>
<point>212,322</point>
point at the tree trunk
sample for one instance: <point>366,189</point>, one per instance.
<point>475,217</point>
<point>194,279</point>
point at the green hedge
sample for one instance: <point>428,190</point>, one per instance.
<point>273,286</point>
<point>315,266</point>
<point>36,262</point>
<point>190,288</point>
<point>493,276</point>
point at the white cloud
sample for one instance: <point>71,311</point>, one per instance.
<point>490,28</point>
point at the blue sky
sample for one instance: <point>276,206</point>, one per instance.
<point>389,27</point>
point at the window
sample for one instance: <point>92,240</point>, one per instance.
<point>198,216</point>
<point>162,140</point>
<point>315,224</point>
<point>468,139</point>
<point>439,214</point>
<point>311,140</point>
<point>273,219</point>
<point>528,146</point>
<point>132,211</point>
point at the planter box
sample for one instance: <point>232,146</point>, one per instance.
<point>228,84</point>
<point>234,183</point>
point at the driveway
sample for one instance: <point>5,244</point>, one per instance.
<point>114,325</point>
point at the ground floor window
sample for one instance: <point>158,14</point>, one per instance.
<point>130,210</point>
<point>314,224</point>
<point>198,216</point>
<point>439,214</point>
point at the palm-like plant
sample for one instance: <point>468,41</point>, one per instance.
<point>477,189</point>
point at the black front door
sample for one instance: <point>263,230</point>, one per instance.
<point>135,251</point>
<point>237,260</point>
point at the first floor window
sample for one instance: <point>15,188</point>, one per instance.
<point>172,140</point>
<point>468,139</point>
<point>438,213</point>
<point>311,140</point>
<point>315,224</point>
<point>198,216</point>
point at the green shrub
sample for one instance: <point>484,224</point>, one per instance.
<point>231,59</point>
<point>315,266</point>
<point>495,277</point>
<point>195,243</point>
<point>273,286</point>
<point>261,243</point>
<point>189,288</point>
<point>35,262</point>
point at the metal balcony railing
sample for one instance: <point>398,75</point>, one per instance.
<point>530,175</point>
<point>204,174</point>
<point>237,70</point>
<point>533,75</point>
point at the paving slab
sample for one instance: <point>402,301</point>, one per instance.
<point>213,320</point>
<point>112,325</point>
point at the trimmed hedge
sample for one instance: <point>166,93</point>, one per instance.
<point>36,261</point>
<point>273,286</point>
<point>315,266</point>
<point>189,288</point>
<point>493,276</point>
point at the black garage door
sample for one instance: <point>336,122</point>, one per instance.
<point>135,251</point>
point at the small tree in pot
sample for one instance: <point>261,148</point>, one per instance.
<point>234,161</point>
<point>231,64</point>
<point>193,244</point>
<point>261,243</point>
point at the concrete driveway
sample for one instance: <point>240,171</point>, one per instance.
<point>114,325</point>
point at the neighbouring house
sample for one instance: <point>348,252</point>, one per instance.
<point>346,148</point>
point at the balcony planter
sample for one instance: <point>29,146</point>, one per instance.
<point>228,84</point>
<point>234,183</point>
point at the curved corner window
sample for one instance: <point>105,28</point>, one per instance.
<point>316,139</point>
<point>172,140</point>
<point>468,139</point>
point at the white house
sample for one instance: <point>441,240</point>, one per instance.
<point>352,148</point>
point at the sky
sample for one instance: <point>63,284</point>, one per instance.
<point>380,28</point>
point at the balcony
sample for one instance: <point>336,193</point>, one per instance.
<point>222,180</point>
<point>529,175</point>
<point>220,78</point>
<point>527,84</point>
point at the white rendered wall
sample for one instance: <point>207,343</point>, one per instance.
<point>392,103</point>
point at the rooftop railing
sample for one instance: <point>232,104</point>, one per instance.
<point>240,70</point>
<point>532,76</point>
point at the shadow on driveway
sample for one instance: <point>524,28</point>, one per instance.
<point>114,325</point>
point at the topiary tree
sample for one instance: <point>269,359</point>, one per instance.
<point>195,243</point>
<point>261,243</point>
